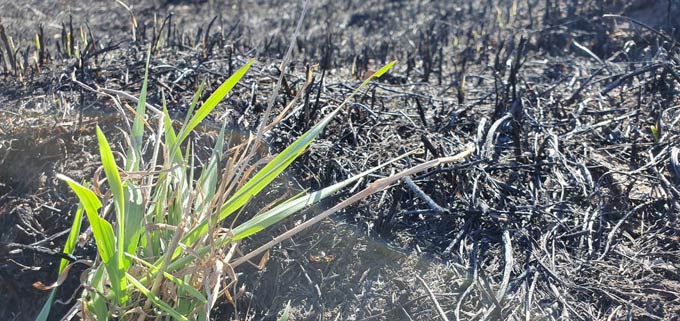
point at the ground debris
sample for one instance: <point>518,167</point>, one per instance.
<point>567,210</point>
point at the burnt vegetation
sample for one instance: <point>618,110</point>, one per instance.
<point>568,208</point>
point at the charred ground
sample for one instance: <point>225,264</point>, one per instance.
<point>568,210</point>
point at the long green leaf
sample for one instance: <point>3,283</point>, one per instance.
<point>135,154</point>
<point>69,247</point>
<point>103,236</point>
<point>133,218</point>
<point>47,306</point>
<point>116,186</point>
<point>276,214</point>
<point>267,174</point>
<point>277,165</point>
<point>212,101</point>
<point>210,174</point>
<point>288,208</point>
<point>101,229</point>
<point>286,311</point>
<point>72,240</point>
<point>193,104</point>
<point>171,138</point>
<point>175,180</point>
<point>259,181</point>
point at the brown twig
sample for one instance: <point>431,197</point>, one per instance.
<point>371,189</point>
<point>440,311</point>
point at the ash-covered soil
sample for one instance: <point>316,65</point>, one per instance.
<point>567,210</point>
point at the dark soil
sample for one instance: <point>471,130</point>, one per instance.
<point>567,210</point>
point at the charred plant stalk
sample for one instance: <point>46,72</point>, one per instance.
<point>424,197</point>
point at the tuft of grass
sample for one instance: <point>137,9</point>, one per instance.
<point>164,250</point>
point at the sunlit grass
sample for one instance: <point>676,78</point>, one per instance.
<point>165,229</point>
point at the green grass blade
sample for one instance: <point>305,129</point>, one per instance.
<point>171,138</point>
<point>288,208</point>
<point>69,247</point>
<point>155,299</point>
<point>210,174</point>
<point>383,70</point>
<point>175,179</point>
<point>135,153</point>
<point>116,186</point>
<point>193,104</point>
<point>254,185</point>
<point>133,218</point>
<point>277,165</point>
<point>365,83</point>
<point>265,176</point>
<point>47,306</point>
<point>73,235</point>
<point>103,236</point>
<point>291,206</point>
<point>186,288</point>
<point>286,312</point>
<point>179,282</point>
<point>101,229</point>
<point>212,101</point>
<point>171,141</point>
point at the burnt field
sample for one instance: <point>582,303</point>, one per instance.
<point>566,210</point>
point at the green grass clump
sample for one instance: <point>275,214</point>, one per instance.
<point>162,248</point>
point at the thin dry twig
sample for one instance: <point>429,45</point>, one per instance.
<point>440,311</point>
<point>612,233</point>
<point>371,189</point>
<point>424,197</point>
